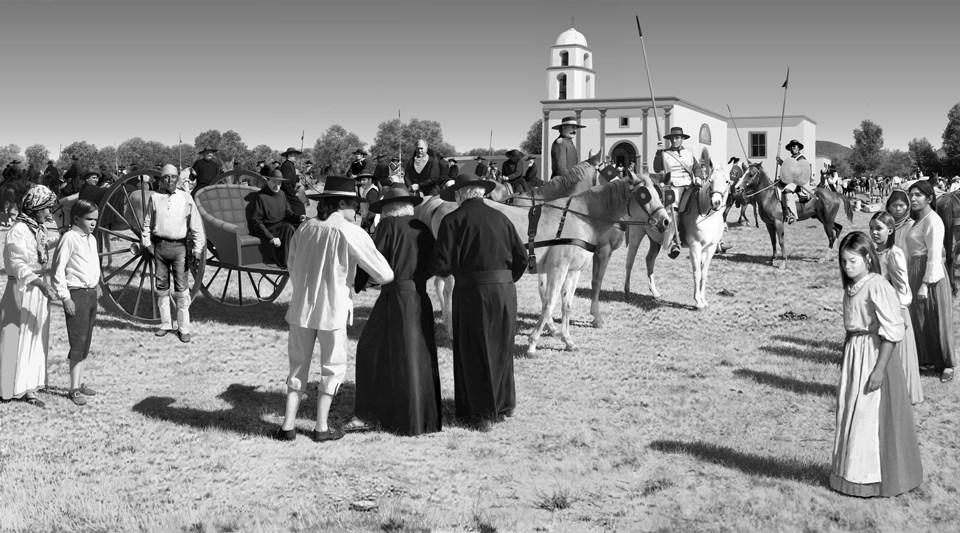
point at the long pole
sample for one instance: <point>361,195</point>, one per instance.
<point>116,156</point>
<point>745,156</point>
<point>400,145</point>
<point>302,135</point>
<point>180,148</point>
<point>490,146</point>
<point>786,82</point>
<point>646,66</point>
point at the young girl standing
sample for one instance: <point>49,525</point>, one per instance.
<point>875,451</point>
<point>76,273</point>
<point>25,307</point>
<point>893,267</point>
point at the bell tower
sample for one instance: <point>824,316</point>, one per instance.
<point>570,75</point>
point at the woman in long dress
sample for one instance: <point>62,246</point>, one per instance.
<point>25,306</point>
<point>893,267</point>
<point>932,307</point>
<point>875,451</point>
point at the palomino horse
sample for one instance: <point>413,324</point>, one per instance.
<point>948,207</point>
<point>586,216</point>
<point>824,207</point>
<point>703,224</point>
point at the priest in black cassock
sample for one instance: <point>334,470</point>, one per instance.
<point>206,169</point>
<point>272,220</point>
<point>289,185</point>
<point>72,177</point>
<point>398,379</point>
<point>479,246</point>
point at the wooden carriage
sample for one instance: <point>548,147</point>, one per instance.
<point>231,271</point>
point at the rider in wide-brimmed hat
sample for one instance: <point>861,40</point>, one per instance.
<point>788,189</point>
<point>289,186</point>
<point>512,171</point>
<point>563,153</point>
<point>682,171</point>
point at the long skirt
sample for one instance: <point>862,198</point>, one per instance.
<point>875,450</point>
<point>24,340</point>
<point>906,351</point>
<point>398,378</point>
<point>484,325</point>
<point>932,318</point>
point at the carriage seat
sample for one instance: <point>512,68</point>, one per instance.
<point>223,208</point>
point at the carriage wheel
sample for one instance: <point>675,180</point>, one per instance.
<point>128,278</point>
<point>241,287</point>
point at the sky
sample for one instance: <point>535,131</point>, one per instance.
<point>106,71</point>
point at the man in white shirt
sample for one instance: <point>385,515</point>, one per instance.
<point>170,219</point>
<point>322,260</point>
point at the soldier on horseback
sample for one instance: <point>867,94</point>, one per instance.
<point>682,171</point>
<point>788,186</point>
<point>563,153</point>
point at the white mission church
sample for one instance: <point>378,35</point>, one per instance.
<point>623,128</point>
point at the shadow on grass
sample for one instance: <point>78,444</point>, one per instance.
<point>817,355</point>
<point>114,323</point>
<point>247,409</point>
<point>788,384</point>
<point>815,474</point>
<point>641,301</point>
<point>268,316</point>
<point>836,346</point>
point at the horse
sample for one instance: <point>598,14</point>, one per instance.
<point>704,224</point>
<point>734,198</point>
<point>948,207</point>
<point>586,216</point>
<point>824,207</point>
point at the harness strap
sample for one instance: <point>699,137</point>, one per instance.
<point>533,220</point>
<point>567,240</point>
<point>563,216</point>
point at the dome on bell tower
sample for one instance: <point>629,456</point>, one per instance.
<point>571,37</point>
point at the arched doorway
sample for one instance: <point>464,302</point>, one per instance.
<point>623,153</point>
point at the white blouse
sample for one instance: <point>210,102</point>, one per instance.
<point>925,238</point>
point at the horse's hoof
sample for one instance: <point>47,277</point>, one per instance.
<point>598,323</point>
<point>783,265</point>
<point>571,347</point>
<point>531,353</point>
<point>655,293</point>
<point>701,306</point>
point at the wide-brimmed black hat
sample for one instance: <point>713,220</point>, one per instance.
<point>568,121</point>
<point>92,174</point>
<point>466,179</point>
<point>50,162</point>
<point>365,173</point>
<point>395,158</point>
<point>676,131</point>
<point>514,153</point>
<point>452,160</point>
<point>289,151</point>
<point>74,157</point>
<point>337,187</point>
<point>275,175</point>
<point>394,195</point>
<point>530,158</point>
<point>794,142</point>
<point>15,162</point>
<point>208,150</point>
<point>480,158</point>
<point>360,151</point>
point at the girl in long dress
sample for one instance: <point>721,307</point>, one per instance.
<point>893,267</point>
<point>898,205</point>
<point>932,307</point>
<point>875,451</point>
<point>25,306</point>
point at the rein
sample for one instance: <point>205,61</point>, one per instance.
<point>760,191</point>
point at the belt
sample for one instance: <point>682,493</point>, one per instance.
<point>401,285</point>
<point>484,277</point>
<point>81,288</point>
<point>164,239</point>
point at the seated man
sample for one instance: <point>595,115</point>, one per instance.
<point>789,185</point>
<point>684,172</point>
<point>272,220</point>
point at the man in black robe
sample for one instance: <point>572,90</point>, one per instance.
<point>272,220</point>
<point>454,169</point>
<point>381,171</point>
<point>481,169</point>
<point>72,177</point>
<point>206,169</point>
<point>289,185</point>
<point>51,178</point>
<point>479,246</point>
<point>423,172</point>
<point>398,378</point>
<point>512,170</point>
<point>532,174</point>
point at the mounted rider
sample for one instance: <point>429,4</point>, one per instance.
<point>682,171</point>
<point>788,185</point>
<point>563,153</point>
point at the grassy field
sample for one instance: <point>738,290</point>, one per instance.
<point>668,419</point>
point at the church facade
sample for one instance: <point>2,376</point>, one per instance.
<point>625,130</point>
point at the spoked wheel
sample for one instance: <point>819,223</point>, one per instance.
<point>235,286</point>
<point>128,278</point>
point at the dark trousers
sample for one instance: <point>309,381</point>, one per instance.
<point>80,325</point>
<point>170,256</point>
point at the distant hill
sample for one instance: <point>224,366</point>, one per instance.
<point>833,150</point>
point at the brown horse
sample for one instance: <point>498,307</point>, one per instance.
<point>824,207</point>
<point>734,198</point>
<point>948,207</point>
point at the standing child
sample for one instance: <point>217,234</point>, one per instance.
<point>76,273</point>
<point>893,266</point>
<point>875,451</point>
<point>25,307</point>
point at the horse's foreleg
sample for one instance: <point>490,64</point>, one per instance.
<point>756,220</point>
<point>772,231</point>
<point>708,252</point>
<point>783,245</point>
<point>569,289</point>
<point>634,238</point>
<point>550,329</point>
<point>695,249</point>
<point>601,257</point>
<point>444,288</point>
<point>549,291</point>
<point>652,252</point>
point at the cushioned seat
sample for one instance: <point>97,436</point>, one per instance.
<point>224,211</point>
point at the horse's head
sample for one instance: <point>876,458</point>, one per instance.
<point>752,177</point>
<point>647,196</point>
<point>593,158</point>
<point>718,185</point>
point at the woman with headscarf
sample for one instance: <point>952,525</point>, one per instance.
<point>932,306</point>
<point>25,306</point>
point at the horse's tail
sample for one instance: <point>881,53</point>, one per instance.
<point>847,207</point>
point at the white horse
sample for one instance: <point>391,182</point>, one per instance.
<point>703,223</point>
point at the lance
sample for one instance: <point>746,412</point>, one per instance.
<point>745,156</point>
<point>302,135</point>
<point>646,66</point>
<point>783,111</point>
<point>490,146</point>
<point>400,145</point>
<point>180,148</point>
<point>116,156</point>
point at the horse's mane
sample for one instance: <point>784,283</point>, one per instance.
<point>607,198</point>
<point>562,186</point>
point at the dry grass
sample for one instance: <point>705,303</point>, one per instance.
<point>666,420</point>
